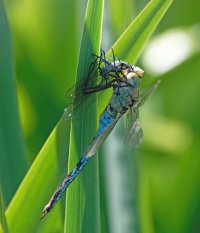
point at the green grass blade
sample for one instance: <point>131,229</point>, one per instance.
<point>132,41</point>
<point>83,201</point>
<point>3,222</point>
<point>50,53</point>
<point>24,211</point>
<point>13,158</point>
<point>120,15</point>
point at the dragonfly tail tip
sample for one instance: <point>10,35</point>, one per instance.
<point>44,213</point>
<point>43,216</point>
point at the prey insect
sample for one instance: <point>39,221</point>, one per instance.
<point>124,79</point>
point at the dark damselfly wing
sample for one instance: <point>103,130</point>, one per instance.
<point>134,131</point>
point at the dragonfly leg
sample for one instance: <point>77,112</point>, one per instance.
<point>97,88</point>
<point>113,56</point>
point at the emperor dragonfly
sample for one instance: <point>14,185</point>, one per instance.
<point>125,80</point>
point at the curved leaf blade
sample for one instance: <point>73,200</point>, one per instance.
<point>132,41</point>
<point>12,150</point>
<point>83,196</point>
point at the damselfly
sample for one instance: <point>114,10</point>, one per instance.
<point>125,80</point>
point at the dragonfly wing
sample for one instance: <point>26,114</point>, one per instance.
<point>98,141</point>
<point>146,94</point>
<point>76,96</point>
<point>77,100</point>
<point>84,100</point>
<point>134,131</point>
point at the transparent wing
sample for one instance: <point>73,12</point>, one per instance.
<point>134,131</point>
<point>98,141</point>
<point>98,79</point>
<point>75,98</point>
<point>146,94</point>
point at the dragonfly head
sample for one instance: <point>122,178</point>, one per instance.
<point>120,66</point>
<point>138,71</point>
<point>125,68</point>
<point>134,76</point>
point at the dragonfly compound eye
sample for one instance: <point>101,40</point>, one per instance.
<point>139,71</point>
<point>131,75</point>
<point>123,66</point>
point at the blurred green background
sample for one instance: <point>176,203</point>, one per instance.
<point>165,189</point>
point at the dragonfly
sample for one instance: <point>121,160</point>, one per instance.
<point>125,80</point>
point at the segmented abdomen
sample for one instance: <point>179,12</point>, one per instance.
<point>122,98</point>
